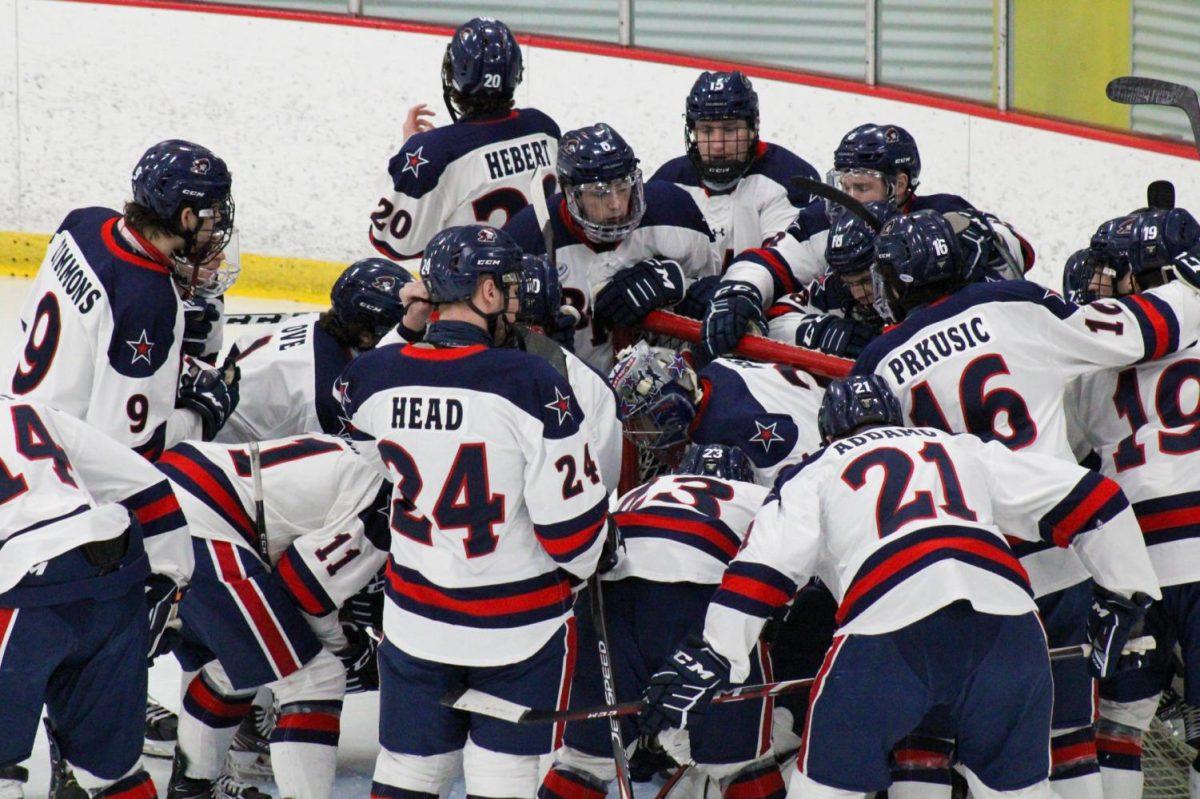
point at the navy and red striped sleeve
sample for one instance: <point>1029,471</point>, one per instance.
<point>567,540</point>
<point>1093,502</point>
<point>754,589</point>
<point>782,279</point>
<point>156,509</point>
<point>293,574</point>
<point>1157,321</point>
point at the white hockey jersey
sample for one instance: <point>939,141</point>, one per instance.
<point>768,410</point>
<point>63,484</point>
<point>102,334</point>
<point>684,528</point>
<point>287,377</point>
<point>995,359</point>
<point>323,505</point>
<point>899,522</point>
<point>498,509</point>
<point>672,227</point>
<point>1143,424</point>
<point>757,209</point>
<point>477,171</point>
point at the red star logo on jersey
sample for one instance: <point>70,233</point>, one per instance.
<point>766,435</point>
<point>141,347</point>
<point>415,162</point>
<point>561,404</point>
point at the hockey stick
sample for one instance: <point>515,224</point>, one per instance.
<point>537,198</point>
<point>836,195</point>
<point>260,513</point>
<point>1133,90</point>
<point>263,318</point>
<point>610,686</point>
<point>475,701</point>
<point>1160,195</point>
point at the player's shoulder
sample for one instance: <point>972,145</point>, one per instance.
<point>780,165</point>
<point>669,205</point>
<point>524,228</point>
<point>680,171</point>
<point>942,203</point>
<point>810,220</point>
<point>810,466</point>
<point>87,220</point>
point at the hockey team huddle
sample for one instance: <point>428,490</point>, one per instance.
<point>418,490</point>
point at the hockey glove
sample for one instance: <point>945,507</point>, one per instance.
<point>359,658</point>
<point>681,690</point>
<point>162,601</point>
<point>834,335</point>
<point>614,548</point>
<point>1112,622</point>
<point>211,393</point>
<point>1187,267</point>
<point>563,330</point>
<point>733,308</point>
<point>695,301</point>
<point>198,319</point>
<point>365,609</point>
<point>634,292</point>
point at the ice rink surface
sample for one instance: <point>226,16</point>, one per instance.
<point>357,747</point>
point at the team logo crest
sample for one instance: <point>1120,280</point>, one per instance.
<point>414,161</point>
<point>384,283</point>
<point>486,235</point>
<point>891,135</point>
<point>141,347</point>
<point>765,435</point>
<point>201,166</point>
<point>561,404</point>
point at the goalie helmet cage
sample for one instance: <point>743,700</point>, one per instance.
<point>664,329</point>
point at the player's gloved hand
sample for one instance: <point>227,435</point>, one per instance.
<point>1111,623</point>
<point>365,609</point>
<point>211,393</point>
<point>563,329</point>
<point>198,319</point>
<point>162,601</point>
<point>696,299</point>
<point>634,292</point>
<point>734,307</point>
<point>359,658</point>
<point>681,690</point>
<point>614,548</point>
<point>834,335</point>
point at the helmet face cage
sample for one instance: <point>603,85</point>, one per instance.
<point>856,402</point>
<point>656,394</point>
<point>726,97</point>
<point>600,195</point>
<point>211,258</point>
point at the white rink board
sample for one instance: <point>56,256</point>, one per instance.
<point>307,115</point>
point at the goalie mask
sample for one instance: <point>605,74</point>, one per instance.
<point>657,394</point>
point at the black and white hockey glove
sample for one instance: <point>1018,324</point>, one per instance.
<point>734,307</point>
<point>162,602</point>
<point>211,393</point>
<point>359,658</point>
<point>695,301</point>
<point>1187,267</point>
<point>198,319</point>
<point>1112,622</point>
<point>634,292</point>
<point>614,548</point>
<point>365,609</point>
<point>834,335</point>
<point>681,690</point>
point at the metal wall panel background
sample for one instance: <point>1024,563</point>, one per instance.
<point>579,19</point>
<point>943,46</point>
<point>1166,36</point>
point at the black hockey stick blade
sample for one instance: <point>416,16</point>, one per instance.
<point>1160,194</point>
<point>1133,90</point>
<point>836,195</point>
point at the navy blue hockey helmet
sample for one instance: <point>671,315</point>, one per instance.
<point>1083,276</point>
<point>855,402</point>
<point>1159,236</point>
<point>601,181</point>
<point>886,149</point>
<point>850,247</point>
<point>177,174</point>
<point>716,460</point>
<point>717,96</point>
<point>917,260</point>
<point>367,295</point>
<point>482,59</point>
<point>540,291</point>
<point>457,257</point>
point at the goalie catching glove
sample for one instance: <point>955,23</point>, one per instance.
<point>682,689</point>
<point>634,292</point>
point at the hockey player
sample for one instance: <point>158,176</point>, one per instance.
<point>873,163</point>
<point>92,538</point>
<point>1141,421</point>
<point>498,511</point>
<point>767,410</point>
<point>935,612</point>
<point>994,359</point>
<point>483,167</point>
<point>680,531</point>
<point>103,324</point>
<point>288,371</point>
<point>261,612</point>
<point>622,249</point>
<point>741,183</point>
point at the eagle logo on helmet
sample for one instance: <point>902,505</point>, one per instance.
<point>200,166</point>
<point>486,236</point>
